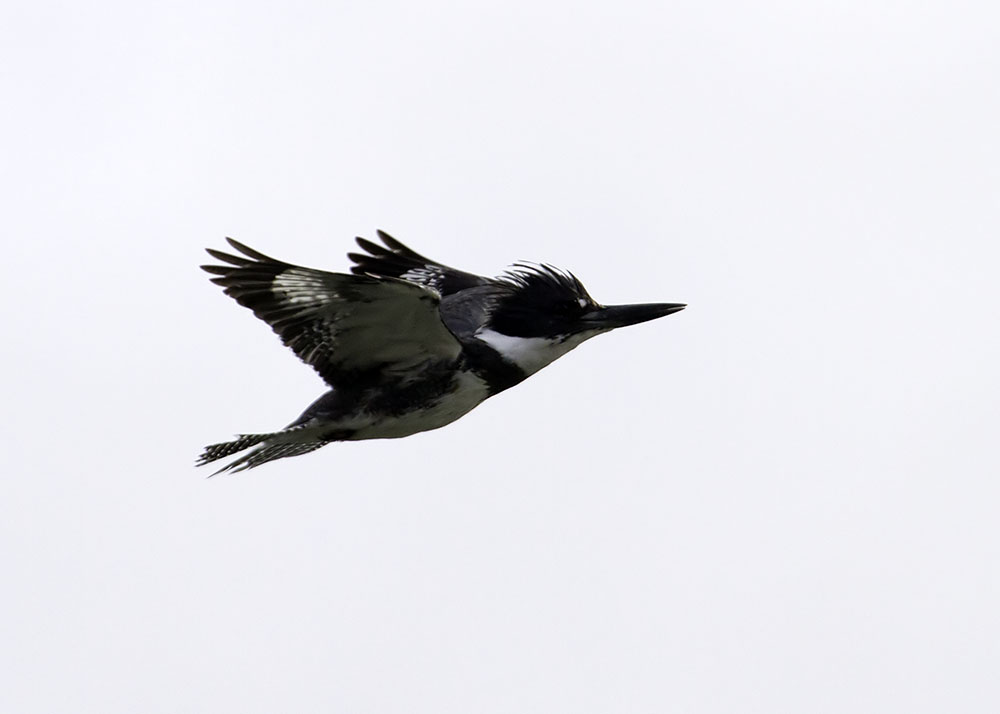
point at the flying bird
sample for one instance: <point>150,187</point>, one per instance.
<point>405,343</point>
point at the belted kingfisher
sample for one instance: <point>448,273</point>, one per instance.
<point>406,344</point>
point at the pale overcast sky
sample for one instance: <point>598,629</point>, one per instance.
<point>783,499</point>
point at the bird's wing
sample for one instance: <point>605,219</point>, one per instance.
<point>395,260</point>
<point>342,325</point>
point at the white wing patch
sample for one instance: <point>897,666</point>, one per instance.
<point>428,275</point>
<point>302,289</point>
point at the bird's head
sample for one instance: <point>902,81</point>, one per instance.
<point>542,313</point>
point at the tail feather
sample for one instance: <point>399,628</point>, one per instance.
<point>261,455</point>
<point>269,452</point>
<point>214,452</point>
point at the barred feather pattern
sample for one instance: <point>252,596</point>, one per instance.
<point>269,452</point>
<point>214,452</point>
<point>261,455</point>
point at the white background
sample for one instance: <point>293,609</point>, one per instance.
<point>783,499</point>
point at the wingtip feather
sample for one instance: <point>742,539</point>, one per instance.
<point>248,251</point>
<point>226,257</point>
<point>393,244</point>
<point>374,248</point>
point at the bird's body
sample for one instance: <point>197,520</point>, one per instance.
<point>406,344</point>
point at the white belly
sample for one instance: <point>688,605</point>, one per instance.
<point>470,393</point>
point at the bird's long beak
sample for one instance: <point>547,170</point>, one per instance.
<point>608,317</point>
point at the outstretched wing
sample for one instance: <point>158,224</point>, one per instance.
<point>395,260</point>
<point>342,325</point>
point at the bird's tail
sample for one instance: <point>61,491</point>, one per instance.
<point>269,448</point>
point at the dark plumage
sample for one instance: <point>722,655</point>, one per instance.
<point>405,343</point>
